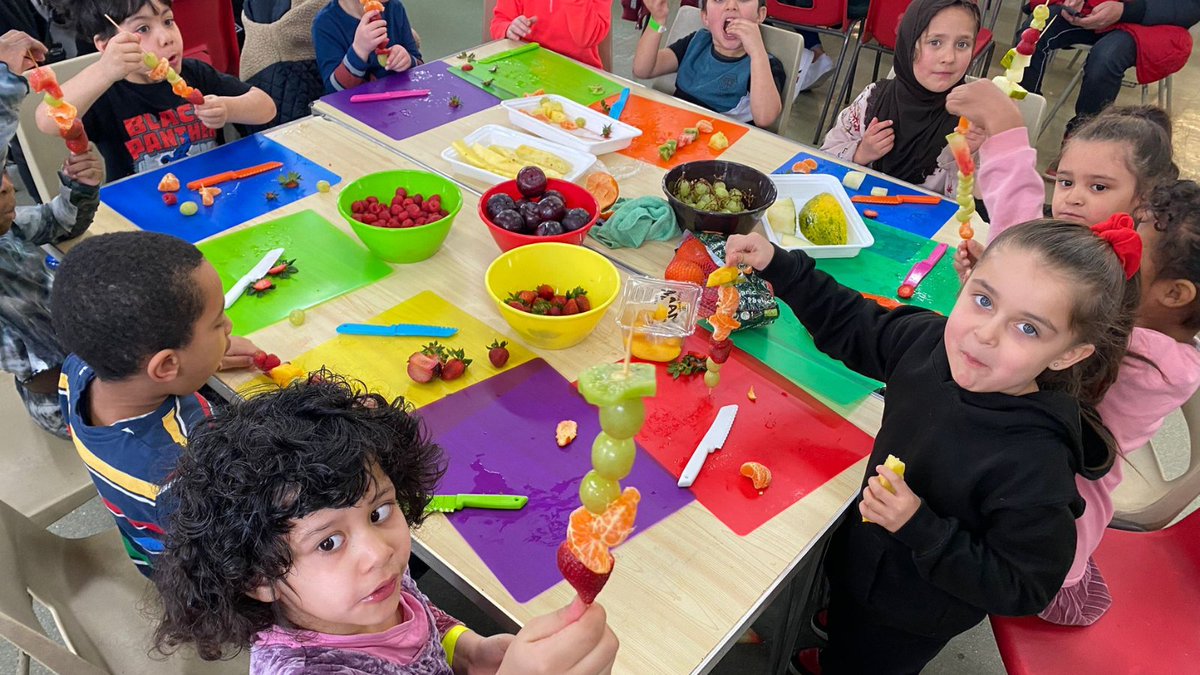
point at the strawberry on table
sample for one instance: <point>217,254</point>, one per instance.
<point>498,353</point>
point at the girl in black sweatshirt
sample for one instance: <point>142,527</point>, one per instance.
<point>984,407</point>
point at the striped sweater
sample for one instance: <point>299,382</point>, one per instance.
<point>131,462</point>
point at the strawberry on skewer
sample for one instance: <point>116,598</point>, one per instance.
<point>43,80</point>
<point>381,52</point>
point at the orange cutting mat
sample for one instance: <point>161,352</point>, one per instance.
<point>660,122</point>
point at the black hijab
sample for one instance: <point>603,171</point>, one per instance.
<point>919,116</point>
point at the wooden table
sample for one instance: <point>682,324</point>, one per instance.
<point>687,587</point>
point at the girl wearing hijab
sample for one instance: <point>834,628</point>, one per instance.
<point>899,126</point>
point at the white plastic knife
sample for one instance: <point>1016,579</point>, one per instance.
<point>713,440</point>
<point>257,272</point>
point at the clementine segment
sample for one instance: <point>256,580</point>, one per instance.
<point>758,474</point>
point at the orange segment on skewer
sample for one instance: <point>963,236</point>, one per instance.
<point>722,320</point>
<point>590,536</point>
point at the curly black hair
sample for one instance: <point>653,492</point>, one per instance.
<point>247,475</point>
<point>86,17</point>
<point>120,298</point>
<point>1175,212</point>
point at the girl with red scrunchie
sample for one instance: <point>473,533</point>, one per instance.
<point>992,409</point>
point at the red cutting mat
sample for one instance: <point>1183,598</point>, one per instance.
<point>802,442</point>
<point>660,122</point>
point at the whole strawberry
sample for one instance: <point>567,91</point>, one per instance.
<point>585,582</point>
<point>455,364</point>
<point>498,353</point>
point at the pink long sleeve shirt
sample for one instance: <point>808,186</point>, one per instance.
<point>573,28</point>
<point>1142,396</point>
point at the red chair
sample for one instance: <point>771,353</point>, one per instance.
<point>828,17</point>
<point>1152,627</point>
<point>879,35</point>
<point>209,33</point>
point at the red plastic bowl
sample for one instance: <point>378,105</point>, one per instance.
<point>576,197</point>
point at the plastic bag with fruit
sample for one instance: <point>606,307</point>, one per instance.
<point>757,305</point>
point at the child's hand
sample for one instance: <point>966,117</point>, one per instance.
<point>975,138</point>
<point>398,58</point>
<point>750,35</point>
<point>86,169</point>
<point>985,106</point>
<point>371,32</point>
<point>575,640</point>
<point>240,354</point>
<point>659,10</point>
<point>966,257</point>
<point>520,27</point>
<point>122,57</point>
<point>749,249</point>
<point>890,511</point>
<point>876,142</point>
<point>214,112</point>
<point>15,48</point>
<point>481,655</point>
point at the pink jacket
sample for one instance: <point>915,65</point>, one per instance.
<point>1141,398</point>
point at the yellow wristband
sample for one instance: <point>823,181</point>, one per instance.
<point>450,639</point>
<point>655,26</point>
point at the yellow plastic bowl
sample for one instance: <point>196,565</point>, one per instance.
<point>563,266</point>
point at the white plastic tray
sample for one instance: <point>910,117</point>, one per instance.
<point>494,134</point>
<point>622,134</point>
<point>801,188</point>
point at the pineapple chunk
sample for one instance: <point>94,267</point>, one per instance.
<point>879,192</point>
<point>853,180</point>
<point>781,216</point>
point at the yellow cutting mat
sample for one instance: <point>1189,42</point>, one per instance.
<point>382,362</point>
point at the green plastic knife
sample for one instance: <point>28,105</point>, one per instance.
<point>448,503</point>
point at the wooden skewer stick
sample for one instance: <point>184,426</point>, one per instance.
<point>114,23</point>
<point>628,351</point>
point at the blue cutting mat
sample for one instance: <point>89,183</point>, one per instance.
<point>920,219</point>
<point>138,199</point>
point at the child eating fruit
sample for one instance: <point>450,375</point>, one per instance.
<point>291,536</point>
<point>724,66</point>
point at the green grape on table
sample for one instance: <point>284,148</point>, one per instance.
<point>623,419</point>
<point>596,492</point>
<point>613,457</point>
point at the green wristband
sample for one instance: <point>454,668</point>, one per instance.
<point>655,26</point>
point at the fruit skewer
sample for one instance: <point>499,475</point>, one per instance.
<point>160,69</point>
<point>607,515</point>
<point>43,80</point>
<point>1014,62</point>
<point>381,52</point>
<point>723,322</point>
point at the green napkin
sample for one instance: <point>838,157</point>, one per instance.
<point>637,221</point>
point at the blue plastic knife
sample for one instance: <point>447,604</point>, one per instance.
<point>619,106</point>
<point>396,330</point>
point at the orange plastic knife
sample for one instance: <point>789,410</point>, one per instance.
<point>896,199</point>
<point>234,175</point>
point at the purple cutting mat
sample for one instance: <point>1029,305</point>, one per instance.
<point>400,118</point>
<point>499,438</point>
<point>920,219</point>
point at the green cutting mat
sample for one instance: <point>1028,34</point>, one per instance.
<point>529,67</point>
<point>329,261</point>
<point>787,347</point>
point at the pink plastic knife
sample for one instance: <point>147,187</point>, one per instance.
<point>919,271</point>
<point>386,95</point>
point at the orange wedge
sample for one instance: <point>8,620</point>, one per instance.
<point>585,544</point>
<point>604,188</point>
<point>758,474</point>
<point>615,524</point>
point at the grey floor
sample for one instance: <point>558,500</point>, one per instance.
<point>974,652</point>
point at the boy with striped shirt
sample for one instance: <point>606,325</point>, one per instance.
<point>143,316</point>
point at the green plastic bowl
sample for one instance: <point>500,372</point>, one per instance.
<point>406,244</point>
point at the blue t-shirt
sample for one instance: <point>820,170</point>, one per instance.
<point>131,462</point>
<point>333,38</point>
<point>714,81</point>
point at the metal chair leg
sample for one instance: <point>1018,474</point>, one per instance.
<point>875,71</point>
<point>1071,86</point>
<point>833,87</point>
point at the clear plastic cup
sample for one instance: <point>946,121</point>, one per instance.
<point>660,314</point>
